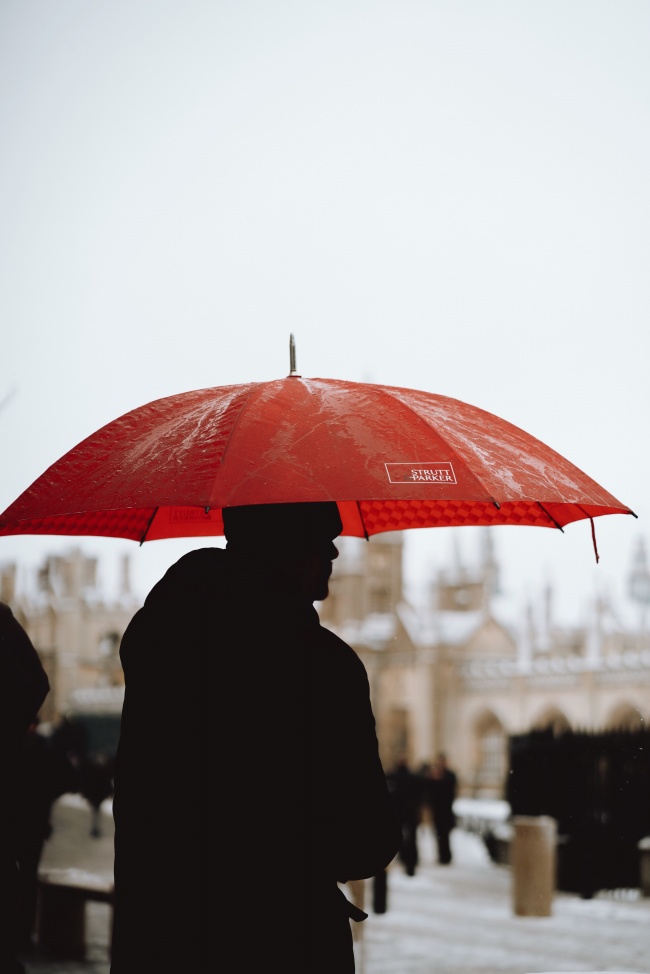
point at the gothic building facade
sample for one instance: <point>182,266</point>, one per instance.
<point>75,630</point>
<point>459,675</point>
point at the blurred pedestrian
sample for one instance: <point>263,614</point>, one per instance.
<point>23,688</point>
<point>96,785</point>
<point>43,775</point>
<point>406,792</point>
<point>443,785</point>
<point>227,670</point>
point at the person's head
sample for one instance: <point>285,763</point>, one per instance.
<point>298,538</point>
<point>440,764</point>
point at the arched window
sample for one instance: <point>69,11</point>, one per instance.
<point>491,755</point>
<point>625,717</point>
<point>554,720</point>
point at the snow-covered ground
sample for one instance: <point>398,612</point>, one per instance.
<point>444,920</point>
<point>459,920</point>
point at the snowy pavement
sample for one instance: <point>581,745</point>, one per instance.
<point>444,920</point>
<point>459,920</point>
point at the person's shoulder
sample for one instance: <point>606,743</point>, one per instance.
<point>188,591</point>
<point>10,628</point>
<point>341,651</point>
<point>189,577</point>
<point>335,641</point>
<point>198,561</point>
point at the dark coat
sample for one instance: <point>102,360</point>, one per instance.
<point>23,682</point>
<point>247,783</point>
<point>23,688</point>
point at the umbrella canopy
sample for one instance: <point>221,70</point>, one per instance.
<point>392,458</point>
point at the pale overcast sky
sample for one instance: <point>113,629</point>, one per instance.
<point>451,196</point>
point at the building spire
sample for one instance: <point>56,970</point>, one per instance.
<point>639,577</point>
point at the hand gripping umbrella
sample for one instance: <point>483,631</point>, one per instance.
<point>392,458</point>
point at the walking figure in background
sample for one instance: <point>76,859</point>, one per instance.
<point>96,785</point>
<point>23,688</point>
<point>227,669</point>
<point>44,774</point>
<point>442,793</point>
<point>406,791</point>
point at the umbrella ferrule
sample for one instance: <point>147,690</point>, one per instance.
<point>292,358</point>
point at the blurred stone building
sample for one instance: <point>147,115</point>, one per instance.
<point>74,629</point>
<point>461,673</point>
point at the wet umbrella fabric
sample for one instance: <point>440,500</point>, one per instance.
<point>392,458</point>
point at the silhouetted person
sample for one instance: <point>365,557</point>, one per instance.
<point>247,780</point>
<point>43,775</point>
<point>23,688</point>
<point>96,785</point>
<point>406,792</point>
<point>442,794</point>
<point>69,740</point>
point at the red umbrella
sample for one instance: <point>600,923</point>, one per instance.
<point>393,458</point>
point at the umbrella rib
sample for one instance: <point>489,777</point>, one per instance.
<point>254,388</point>
<point>363,523</point>
<point>550,517</point>
<point>149,523</point>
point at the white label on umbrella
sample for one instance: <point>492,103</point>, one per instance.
<point>421,473</point>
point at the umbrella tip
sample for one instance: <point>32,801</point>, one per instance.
<point>292,357</point>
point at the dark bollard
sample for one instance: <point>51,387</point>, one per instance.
<point>379,892</point>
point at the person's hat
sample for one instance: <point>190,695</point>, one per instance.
<point>290,525</point>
